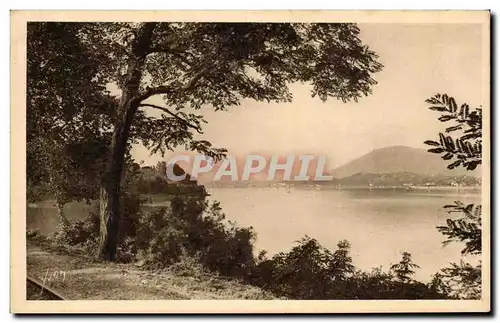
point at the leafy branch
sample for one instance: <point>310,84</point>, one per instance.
<point>466,229</point>
<point>193,121</point>
<point>466,149</point>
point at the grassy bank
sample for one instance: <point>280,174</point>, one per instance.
<point>78,278</point>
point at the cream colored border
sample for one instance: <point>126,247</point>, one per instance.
<point>18,162</point>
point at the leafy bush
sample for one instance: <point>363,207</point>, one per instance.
<point>78,232</point>
<point>36,236</point>
<point>193,234</point>
<point>310,271</point>
<point>460,281</point>
<point>83,235</point>
<point>158,240</point>
<point>221,246</point>
<point>195,228</point>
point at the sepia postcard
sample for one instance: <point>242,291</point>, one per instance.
<point>250,161</point>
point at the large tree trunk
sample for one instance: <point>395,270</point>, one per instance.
<point>109,206</point>
<point>60,211</point>
<point>110,190</point>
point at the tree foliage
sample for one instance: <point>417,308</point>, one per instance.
<point>466,229</point>
<point>464,149</point>
<point>463,280</point>
<point>308,271</point>
<point>190,66</point>
<point>68,114</point>
<point>195,65</point>
<point>462,145</point>
<point>404,269</point>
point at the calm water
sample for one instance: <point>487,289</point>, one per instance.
<point>379,224</point>
<point>43,216</point>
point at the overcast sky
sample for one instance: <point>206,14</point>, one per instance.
<point>419,61</point>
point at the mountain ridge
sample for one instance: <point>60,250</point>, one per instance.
<point>400,158</point>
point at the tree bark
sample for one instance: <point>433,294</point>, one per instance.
<point>110,190</point>
<point>60,212</point>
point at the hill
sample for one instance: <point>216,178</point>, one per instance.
<point>397,159</point>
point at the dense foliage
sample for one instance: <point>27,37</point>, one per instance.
<point>462,145</point>
<point>194,230</point>
<point>189,66</point>
<point>464,149</point>
<point>79,137</point>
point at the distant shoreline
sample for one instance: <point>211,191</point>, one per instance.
<point>347,187</point>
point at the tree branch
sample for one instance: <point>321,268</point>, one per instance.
<point>184,121</point>
<point>176,52</point>
<point>168,89</point>
<point>206,66</point>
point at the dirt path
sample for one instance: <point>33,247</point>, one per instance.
<point>76,278</point>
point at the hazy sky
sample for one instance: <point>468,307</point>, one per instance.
<point>419,61</point>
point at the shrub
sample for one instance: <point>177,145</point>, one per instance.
<point>83,235</point>
<point>36,236</point>
<point>193,235</point>
<point>195,228</point>
<point>310,271</point>
<point>221,245</point>
<point>460,281</point>
<point>78,232</point>
<point>158,240</point>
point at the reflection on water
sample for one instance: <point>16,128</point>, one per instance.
<point>43,216</point>
<point>379,224</point>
